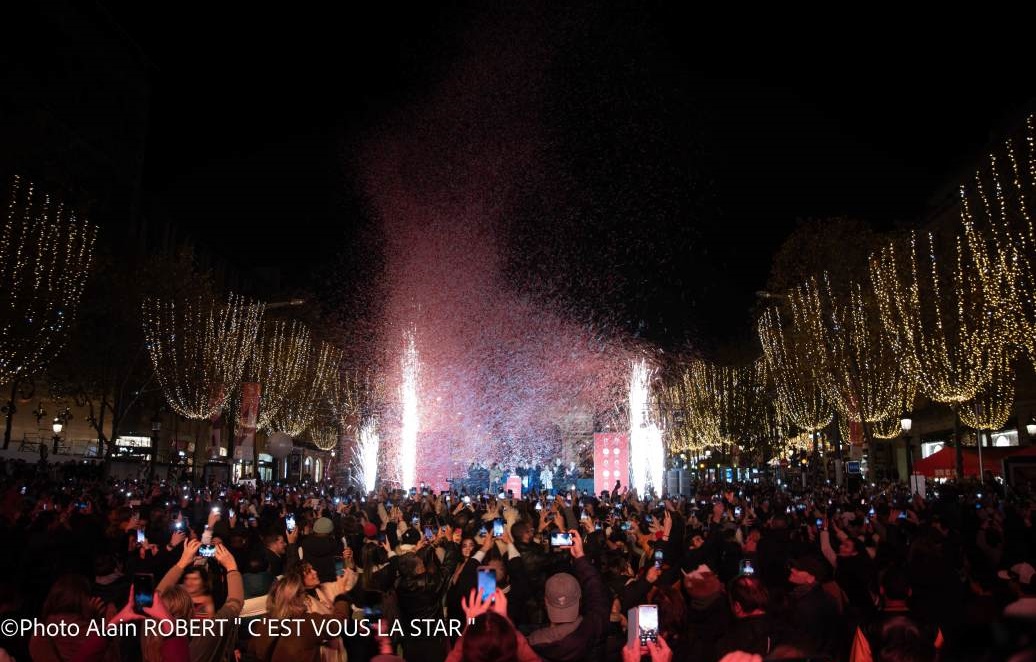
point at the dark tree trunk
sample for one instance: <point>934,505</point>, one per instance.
<point>10,413</point>
<point>956,442</point>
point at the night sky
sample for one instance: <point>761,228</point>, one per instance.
<point>258,124</point>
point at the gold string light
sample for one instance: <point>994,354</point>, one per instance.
<point>864,376</point>
<point>993,405</point>
<point>198,348</point>
<point>995,213</point>
<point>802,442</point>
<point>772,424</point>
<point>45,258</point>
<point>301,406</point>
<point>722,404</point>
<point>889,428</point>
<point>324,435</point>
<point>687,424</point>
<point>350,396</point>
<point>278,363</point>
<point>684,429</point>
<point>937,318</point>
<point>794,371</point>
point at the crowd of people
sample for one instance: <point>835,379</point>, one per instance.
<point>736,572</point>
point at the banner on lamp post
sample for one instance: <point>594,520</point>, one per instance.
<point>247,420</point>
<point>217,396</point>
<point>856,433</point>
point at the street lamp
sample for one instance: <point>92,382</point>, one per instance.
<point>156,431</point>
<point>57,426</point>
<point>905,423</point>
<point>1030,427</point>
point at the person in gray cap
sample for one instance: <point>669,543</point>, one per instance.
<point>321,548</point>
<point>578,607</point>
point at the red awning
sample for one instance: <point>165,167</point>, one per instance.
<point>943,464</point>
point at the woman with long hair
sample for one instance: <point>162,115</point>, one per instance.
<point>320,596</point>
<point>289,599</point>
<point>173,648</point>
<point>376,573</point>
<point>177,602</point>
<point>196,586</point>
<point>465,576</point>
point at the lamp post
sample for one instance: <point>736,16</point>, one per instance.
<point>57,426</point>
<point>1030,427</point>
<point>156,432</point>
<point>905,423</point>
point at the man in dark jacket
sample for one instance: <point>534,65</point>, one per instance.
<point>813,613</point>
<point>281,551</point>
<point>773,551</point>
<point>707,616</point>
<point>631,590</point>
<point>572,637</point>
<point>533,557</point>
<point>423,581</point>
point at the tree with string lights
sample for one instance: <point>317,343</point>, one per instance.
<point>303,402</point>
<point>277,362</point>
<point>199,348</point>
<point>996,215</point>
<point>888,428</point>
<point>993,404</point>
<point>721,406</point>
<point>352,396</point>
<point>795,373</point>
<point>938,318</point>
<point>673,411</point>
<point>862,374</point>
<point>772,430</point>
<point>324,436</point>
<point>275,365</point>
<point>45,257</point>
<point>703,384</point>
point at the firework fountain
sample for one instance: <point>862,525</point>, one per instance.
<point>365,456</point>
<point>408,400</point>
<point>647,454</point>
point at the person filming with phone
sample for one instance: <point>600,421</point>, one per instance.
<point>281,550</point>
<point>204,648</point>
<point>578,606</point>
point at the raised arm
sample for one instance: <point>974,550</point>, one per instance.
<point>235,588</point>
<point>190,550</point>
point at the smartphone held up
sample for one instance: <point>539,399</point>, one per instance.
<point>143,592</point>
<point>643,625</point>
